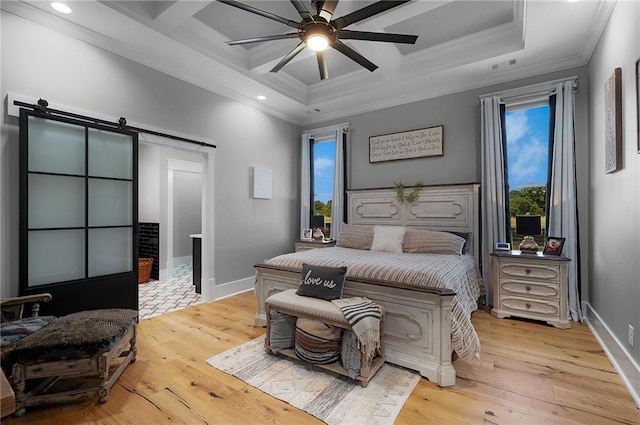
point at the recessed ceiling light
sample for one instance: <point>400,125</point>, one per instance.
<point>61,7</point>
<point>261,97</point>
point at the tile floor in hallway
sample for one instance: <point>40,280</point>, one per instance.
<point>162,296</point>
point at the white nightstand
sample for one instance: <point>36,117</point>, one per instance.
<point>304,244</point>
<point>530,286</point>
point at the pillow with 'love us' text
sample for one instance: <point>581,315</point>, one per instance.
<point>322,282</point>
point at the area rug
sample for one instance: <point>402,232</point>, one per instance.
<point>331,398</point>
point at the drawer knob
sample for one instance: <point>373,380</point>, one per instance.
<point>527,271</point>
<point>528,288</point>
<point>528,305</point>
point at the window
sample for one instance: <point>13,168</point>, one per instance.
<point>527,152</point>
<point>323,159</point>
<point>323,179</point>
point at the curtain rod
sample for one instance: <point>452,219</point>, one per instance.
<point>330,128</point>
<point>533,88</point>
<point>42,106</point>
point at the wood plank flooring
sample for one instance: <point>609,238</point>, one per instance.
<point>529,374</point>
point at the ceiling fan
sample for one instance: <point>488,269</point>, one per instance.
<point>319,31</point>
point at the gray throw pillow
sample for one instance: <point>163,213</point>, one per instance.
<point>282,330</point>
<point>322,282</point>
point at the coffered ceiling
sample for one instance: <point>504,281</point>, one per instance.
<point>462,44</point>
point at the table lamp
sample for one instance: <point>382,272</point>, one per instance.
<point>528,226</point>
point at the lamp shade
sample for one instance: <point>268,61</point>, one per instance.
<point>317,221</point>
<point>528,225</point>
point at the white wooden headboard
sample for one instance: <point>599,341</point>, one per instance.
<point>453,208</point>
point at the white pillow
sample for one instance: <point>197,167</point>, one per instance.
<point>388,238</point>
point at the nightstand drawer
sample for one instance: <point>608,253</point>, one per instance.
<point>545,272</point>
<point>538,289</point>
<point>545,308</point>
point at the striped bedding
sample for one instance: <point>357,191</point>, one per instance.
<point>456,272</point>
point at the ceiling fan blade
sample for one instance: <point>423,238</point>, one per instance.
<point>265,38</point>
<point>302,10</point>
<point>261,13</point>
<point>322,65</point>
<point>292,54</point>
<point>377,36</point>
<point>326,9</point>
<point>353,55</point>
<point>366,12</point>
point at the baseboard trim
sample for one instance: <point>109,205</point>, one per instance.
<point>621,359</point>
<point>236,287</point>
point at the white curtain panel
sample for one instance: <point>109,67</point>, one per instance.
<point>337,206</point>
<point>562,220</point>
<point>305,183</point>
<point>494,216</point>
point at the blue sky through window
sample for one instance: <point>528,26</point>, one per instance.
<point>324,154</point>
<point>527,146</point>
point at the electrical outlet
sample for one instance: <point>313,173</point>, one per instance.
<point>630,335</point>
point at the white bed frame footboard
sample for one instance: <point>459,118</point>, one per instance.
<point>417,329</point>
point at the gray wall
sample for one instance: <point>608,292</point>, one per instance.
<point>614,228</point>
<point>39,62</point>
<point>148,183</point>
<point>459,164</point>
<point>187,211</point>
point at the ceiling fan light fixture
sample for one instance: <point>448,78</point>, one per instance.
<point>317,42</point>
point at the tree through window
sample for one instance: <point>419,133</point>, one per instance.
<point>527,151</point>
<point>323,154</point>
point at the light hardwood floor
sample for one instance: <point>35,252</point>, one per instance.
<point>530,374</point>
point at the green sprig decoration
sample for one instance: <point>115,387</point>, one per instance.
<point>412,197</point>
<point>399,189</point>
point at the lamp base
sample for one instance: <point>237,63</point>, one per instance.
<point>528,245</point>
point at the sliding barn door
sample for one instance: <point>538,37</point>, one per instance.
<point>78,213</point>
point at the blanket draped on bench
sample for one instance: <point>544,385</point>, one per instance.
<point>364,317</point>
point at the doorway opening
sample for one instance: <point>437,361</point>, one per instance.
<point>176,192</point>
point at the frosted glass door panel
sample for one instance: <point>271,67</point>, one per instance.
<point>110,203</point>
<point>56,256</point>
<point>110,251</point>
<point>56,147</point>
<point>56,201</point>
<point>110,154</point>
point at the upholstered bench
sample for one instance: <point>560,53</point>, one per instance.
<point>71,358</point>
<point>279,338</point>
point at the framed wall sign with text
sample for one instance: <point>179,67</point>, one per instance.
<point>406,145</point>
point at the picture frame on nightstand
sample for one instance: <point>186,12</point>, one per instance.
<point>307,234</point>
<point>553,246</point>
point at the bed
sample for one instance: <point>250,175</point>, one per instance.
<point>429,297</point>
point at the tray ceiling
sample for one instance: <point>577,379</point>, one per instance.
<point>461,45</point>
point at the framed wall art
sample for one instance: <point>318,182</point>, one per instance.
<point>613,121</point>
<point>262,177</point>
<point>407,144</point>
